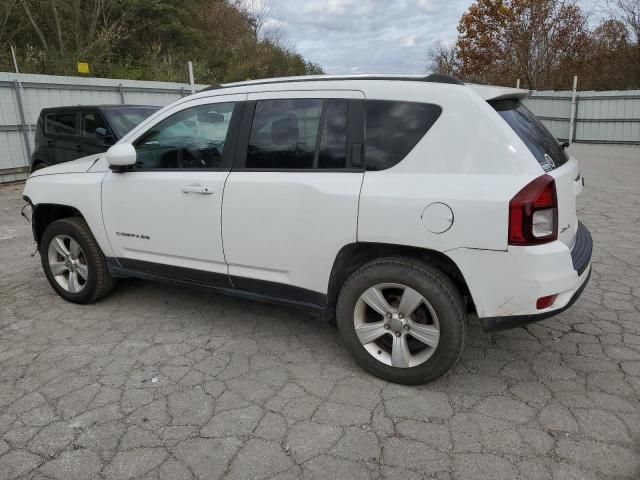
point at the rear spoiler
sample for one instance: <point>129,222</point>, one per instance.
<point>489,93</point>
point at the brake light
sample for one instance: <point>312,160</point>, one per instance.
<point>533,213</point>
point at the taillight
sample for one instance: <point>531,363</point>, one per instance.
<point>533,213</point>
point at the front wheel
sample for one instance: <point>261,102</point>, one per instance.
<point>402,321</point>
<point>73,261</point>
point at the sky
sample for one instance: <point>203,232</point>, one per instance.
<point>368,36</point>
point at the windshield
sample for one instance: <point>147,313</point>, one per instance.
<point>124,119</point>
<point>542,144</point>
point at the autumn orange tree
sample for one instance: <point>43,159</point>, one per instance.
<point>526,39</point>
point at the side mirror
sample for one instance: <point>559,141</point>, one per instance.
<point>103,134</point>
<point>120,156</point>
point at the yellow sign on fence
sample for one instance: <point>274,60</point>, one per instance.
<point>83,67</point>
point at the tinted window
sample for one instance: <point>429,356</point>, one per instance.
<point>61,123</point>
<point>532,132</point>
<point>89,121</point>
<point>192,138</point>
<point>393,129</point>
<point>333,142</point>
<point>123,120</point>
<point>284,134</point>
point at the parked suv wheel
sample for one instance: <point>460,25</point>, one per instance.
<point>73,262</point>
<point>403,322</point>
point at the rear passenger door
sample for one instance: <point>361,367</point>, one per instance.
<point>61,130</point>
<point>291,200</point>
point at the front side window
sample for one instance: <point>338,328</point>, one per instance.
<point>89,121</point>
<point>61,123</point>
<point>193,138</point>
<point>393,129</point>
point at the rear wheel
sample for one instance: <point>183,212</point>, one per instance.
<point>402,321</point>
<point>73,262</point>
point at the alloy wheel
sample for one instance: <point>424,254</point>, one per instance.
<point>68,263</point>
<point>396,325</point>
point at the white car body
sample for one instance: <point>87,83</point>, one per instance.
<point>278,233</point>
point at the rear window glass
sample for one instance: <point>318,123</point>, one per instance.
<point>393,129</point>
<point>542,144</point>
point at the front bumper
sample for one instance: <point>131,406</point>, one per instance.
<point>581,260</point>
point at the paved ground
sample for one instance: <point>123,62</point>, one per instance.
<point>156,382</point>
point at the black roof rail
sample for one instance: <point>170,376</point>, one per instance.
<point>215,86</point>
<point>434,77</point>
<point>441,78</point>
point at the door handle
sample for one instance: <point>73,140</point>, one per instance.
<point>79,148</point>
<point>201,189</point>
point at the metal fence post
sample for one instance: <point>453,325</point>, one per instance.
<point>574,102</point>
<point>121,91</point>
<point>192,83</point>
<point>23,123</point>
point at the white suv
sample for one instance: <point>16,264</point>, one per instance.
<point>395,205</point>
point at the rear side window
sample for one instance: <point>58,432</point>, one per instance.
<point>61,123</point>
<point>298,134</point>
<point>284,134</point>
<point>333,143</point>
<point>542,144</point>
<point>394,128</point>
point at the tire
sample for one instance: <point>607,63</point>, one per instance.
<point>86,258</point>
<point>440,307</point>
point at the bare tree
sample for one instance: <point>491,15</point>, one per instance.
<point>443,58</point>
<point>629,14</point>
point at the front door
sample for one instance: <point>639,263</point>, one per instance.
<point>90,143</point>
<point>163,216</point>
<point>291,201</point>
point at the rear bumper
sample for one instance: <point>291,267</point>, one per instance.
<point>494,324</point>
<point>506,285</point>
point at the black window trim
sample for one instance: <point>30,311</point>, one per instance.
<point>355,135</point>
<point>230,143</point>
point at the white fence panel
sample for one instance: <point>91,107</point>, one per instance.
<point>601,117</point>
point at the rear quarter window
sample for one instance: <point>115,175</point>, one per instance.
<point>393,129</point>
<point>540,142</point>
